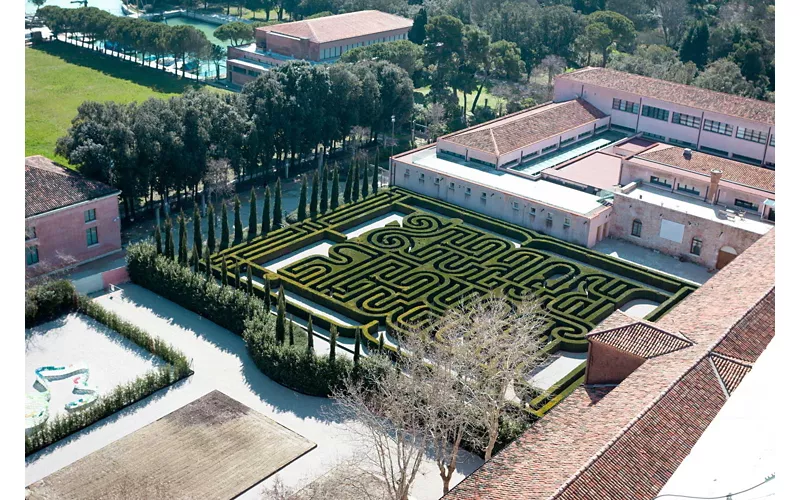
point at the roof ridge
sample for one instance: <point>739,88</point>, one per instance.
<point>494,141</point>
<point>738,361</point>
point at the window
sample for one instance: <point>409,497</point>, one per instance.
<point>436,181</point>
<point>772,140</point>
<point>237,69</point>
<point>515,205</point>
<point>600,128</point>
<point>91,236</point>
<point>714,151</point>
<point>30,233</point>
<point>444,151</point>
<point>684,144</point>
<point>549,220</point>
<point>481,162</point>
<point>549,148</point>
<point>655,113</point>
<point>746,159</point>
<point>533,211</point>
<point>31,255</point>
<point>407,174</point>
<point>686,120</point>
<point>751,135</point>
<point>717,127</point>
<point>468,192</point>
<point>626,106</point>
<point>483,197</point>
<point>654,136</point>
<point>688,189</point>
<point>745,204</point>
<point>567,141</point>
<point>90,215</point>
<point>585,134</point>
<point>659,181</point>
<point>452,186</point>
<point>697,246</point>
<point>422,177</point>
<point>636,229</point>
<point>567,222</point>
<point>530,155</point>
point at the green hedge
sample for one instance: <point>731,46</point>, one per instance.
<point>176,368</point>
<point>48,301</point>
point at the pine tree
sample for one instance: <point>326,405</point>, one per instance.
<point>157,235</point>
<point>198,232</point>
<point>267,296</point>
<point>265,213</point>
<point>357,348</point>
<point>224,272</point>
<point>334,334</point>
<point>212,222</point>
<point>365,183</point>
<point>348,185</point>
<point>277,212</point>
<point>169,244</point>
<point>195,260</point>
<point>375,180</point>
<point>207,258</point>
<point>694,46</point>
<point>310,335</point>
<point>183,244</point>
<point>238,233</point>
<point>335,189</point>
<point>252,225</point>
<point>225,237</point>
<point>313,208</point>
<point>249,281</point>
<point>323,202</point>
<point>301,205</point>
<point>280,321</point>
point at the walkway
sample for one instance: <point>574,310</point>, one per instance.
<point>220,361</point>
<point>653,260</point>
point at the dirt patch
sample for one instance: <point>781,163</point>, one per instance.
<point>212,448</point>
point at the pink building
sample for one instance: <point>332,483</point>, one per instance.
<point>69,219</point>
<point>320,40</point>
<point>713,122</point>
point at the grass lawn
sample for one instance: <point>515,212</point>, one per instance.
<point>493,100</point>
<point>59,77</point>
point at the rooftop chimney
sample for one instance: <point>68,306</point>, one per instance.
<point>687,153</point>
<point>716,176</point>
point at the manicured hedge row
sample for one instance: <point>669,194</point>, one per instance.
<point>561,389</point>
<point>177,368</point>
<point>48,301</point>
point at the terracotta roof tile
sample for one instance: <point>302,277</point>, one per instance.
<point>731,371</point>
<point>702,163</point>
<point>342,26</point>
<point>49,186</point>
<point>748,339</point>
<point>686,95</point>
<point>528,127</point>
<point>642,339</point>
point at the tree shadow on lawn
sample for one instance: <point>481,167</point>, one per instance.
<point>152,78</point>
<point>269,392</point>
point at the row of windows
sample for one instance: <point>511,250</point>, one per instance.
<point>626,106</point>
<point>32,252</point>
<point>655,113</point>
<point>717,127</point>
<point>339,50</point>
<point>751,135</point>
<point>88,216</point>
<point>686,120</point>
<point>695,248</point>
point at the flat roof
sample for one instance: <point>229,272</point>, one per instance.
<point>567,153</point>
<point>517,130</point>
<point>598,170</point>
<point>698,208</point>
<point>249,64</point>
<point>636,144</point>
<point>341,27</point>
<point>686,95</point>
<point>541,191</point>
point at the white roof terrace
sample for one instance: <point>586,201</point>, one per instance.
<point>538,190</point>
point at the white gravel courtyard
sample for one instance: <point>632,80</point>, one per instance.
<point>220,361</point>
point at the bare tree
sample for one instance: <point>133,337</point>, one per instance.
<point>553,65</point>
<point>672,14</point>
<point>216,180</point>
<point>348,480</point>
<point>435,117</point>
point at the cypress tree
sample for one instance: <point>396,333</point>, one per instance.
<point>212,222</point>
<point>207,258</point>
<point>252,225</point>
<point>335,189</point>
<point>280,321</point>
<point>195,260</point>
<point>225,237</point>
<point>348,185</point>
<point>267,296</point>
<point>290,329</point>
<point>224,272</point>
<point>381,343</point>
<point>265,213</point>
<point>313,208</point>
<point>169,244</point>
<point>198,232</point>
<point>323,202</point>
<point>332,341</point>
<point>238,233</point>
<point>310,334</point>
<point>237,275</point>
<point>157,235</point>
<point>375,180</point>
<point>183,243</point>
<point>249,280</point>
<point>357,348</point>
<point>354,189</point>
<point>365,183</point>
<point>277,213</point>
<point>301,206</point>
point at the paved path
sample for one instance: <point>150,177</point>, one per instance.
<point>653,260</point>
<point>220,361</point>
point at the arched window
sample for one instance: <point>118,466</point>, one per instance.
<point>636,229</point>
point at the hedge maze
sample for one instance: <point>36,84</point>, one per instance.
<point>396,276</point>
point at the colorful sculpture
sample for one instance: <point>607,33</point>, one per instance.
<point>37,405</point>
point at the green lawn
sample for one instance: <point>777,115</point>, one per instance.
<point>485,94</point>
<point>59,77</point>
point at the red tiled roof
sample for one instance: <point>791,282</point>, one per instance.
<point>627,444</point>
<point>515,131</point>
<point>702,163</point>
<point>686,95</point>
<point>642,339</point>
<point>731,371</point>
<point>341,27</point>
<point>748,339</point>
<point>49,186</point>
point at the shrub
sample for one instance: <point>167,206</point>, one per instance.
<point>48,301</point>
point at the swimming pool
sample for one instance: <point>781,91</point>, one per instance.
<point>601,140</point>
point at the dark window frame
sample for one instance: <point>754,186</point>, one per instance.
<point>636,228</point>
<point>31,255</point>
<point>697,244</point>
<point>92,237</point>
<point>751,135</point>
<point>655,113</point>
<point>625,106</point>
<point>685,120</point>
<point>716,127</point>
<point>89,215</point>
